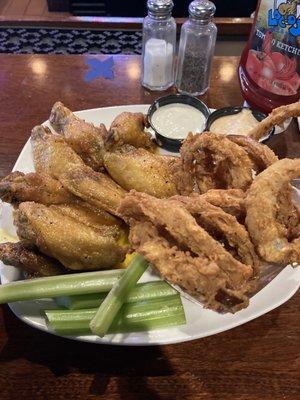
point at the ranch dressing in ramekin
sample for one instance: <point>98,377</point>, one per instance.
<point>176,120</point>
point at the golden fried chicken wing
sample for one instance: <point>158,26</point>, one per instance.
<point>129,128</point>
<point>52,155</point>
<point>29,260</point>
<point>39,187</point>
<point>140,170</point>
<point>85,139</point>
<point>76,245</point>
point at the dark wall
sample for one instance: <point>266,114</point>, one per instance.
<point>137,8</point>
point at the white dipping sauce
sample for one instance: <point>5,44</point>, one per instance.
<point>176,120</point>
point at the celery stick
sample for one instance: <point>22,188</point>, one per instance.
<point>61,285</point>
<point>114,300</point>
<point>134,317</point>
<point>141,292</point>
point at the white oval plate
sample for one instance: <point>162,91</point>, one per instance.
<point>200,322</point>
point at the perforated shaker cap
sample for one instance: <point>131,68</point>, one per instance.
<point>202,9</point>
<point>160,8</point>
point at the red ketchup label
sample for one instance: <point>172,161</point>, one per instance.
<point>273,61</point>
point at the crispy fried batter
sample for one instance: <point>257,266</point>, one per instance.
<point>29,260</point>
<point>217,221</point>
<point>261,155</point>
<point>183,252</point>
<point>277,117</point>
<point>184,229</point>
<point>213,161</point>
<point>17,187</point>
<point>77,246</point>
<point>141,170</point>
<point>52,155</point>
<point>85,139</point>
<point>232,201</point>
<point>269,234</point>
<point>129,128</point>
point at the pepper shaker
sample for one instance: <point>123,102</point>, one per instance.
<point>196,49</point>
<point>159,42</point>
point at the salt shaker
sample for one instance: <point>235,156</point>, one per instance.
<point>159,42</point>
<point>196,49</point>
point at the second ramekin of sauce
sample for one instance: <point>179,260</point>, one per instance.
<point>173,116</point>
<point>235,121</point>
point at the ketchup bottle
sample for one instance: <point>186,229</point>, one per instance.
<point>269,70</point>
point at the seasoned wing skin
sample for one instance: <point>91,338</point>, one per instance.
<point>268,232</point>
<point>85,139</point>
<point>75,245</point>
<point>128,128</point>
<point>141,170</point>
<point>95,188</point>
<point>29,260</point>
<point>53,155</point>
<point>41,188</point>
<point>91,216</point>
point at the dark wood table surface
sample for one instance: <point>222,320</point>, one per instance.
<point>259,360</point>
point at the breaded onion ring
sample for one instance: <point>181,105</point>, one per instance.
<point>232,201</point>
<point>261,155</point>
<point>277,117</point>
<point>215,220</point>
<point>269,234</point>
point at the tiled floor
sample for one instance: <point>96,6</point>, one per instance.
<point>36,8</point>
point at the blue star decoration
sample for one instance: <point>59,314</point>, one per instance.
<point>99,69</point>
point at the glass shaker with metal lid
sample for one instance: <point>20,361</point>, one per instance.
<point>196,49</point>
<point>159,41</point>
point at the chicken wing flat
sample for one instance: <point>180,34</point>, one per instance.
<point>77,246</point>
<point>129,128</point>
<point>91,216</point>
<point>41,188</point>
<point>52,155</point>
<point>29,260</point>
<point>141,170</point>
<point>85,139</point>
<point>166,233</point>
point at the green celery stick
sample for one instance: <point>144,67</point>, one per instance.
<point>61,285</point>
<point>141,292</point>
<point>132,317</point>
<point>108,310</point>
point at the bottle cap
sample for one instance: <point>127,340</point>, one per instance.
<point>202,9</point>
<point>160,8</point>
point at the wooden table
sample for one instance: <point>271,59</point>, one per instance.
<point>257,361</point>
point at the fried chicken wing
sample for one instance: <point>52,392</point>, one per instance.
<point>41,188</point>
<point>77,246</point>
<point>140,170</point>
<point>53,155</point>
<point>29,260</point>
<point>129,128</point>
<point>85,139</point>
